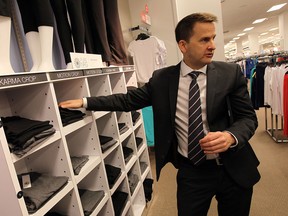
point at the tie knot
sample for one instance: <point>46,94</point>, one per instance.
<point>194,74</point>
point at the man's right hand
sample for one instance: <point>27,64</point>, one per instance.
<point>74,104</point>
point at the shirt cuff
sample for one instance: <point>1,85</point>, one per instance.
<point>236,140</point>
<point>85,103</point>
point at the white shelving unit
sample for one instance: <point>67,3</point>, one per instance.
<point>36,96</point>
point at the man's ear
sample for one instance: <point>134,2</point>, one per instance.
<point>182,45</point>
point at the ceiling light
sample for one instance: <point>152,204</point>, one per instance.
<point>248,29</point>
<point>276,7</point>
<point>241,34</point>
<point>236,38</point>
<point>259,20</point>
<point>273,29</point>
<point>264,33</point>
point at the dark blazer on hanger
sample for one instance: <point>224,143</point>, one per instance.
<point>228,108</point>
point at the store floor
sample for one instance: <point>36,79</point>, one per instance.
<point>270,194</point>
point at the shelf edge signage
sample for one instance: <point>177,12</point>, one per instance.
<point>66,74</point>
<point>128,68</point>
<point>88,72</point>
<point>110,69</point>
<point>12,80</point>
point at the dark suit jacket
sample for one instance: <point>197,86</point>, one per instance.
<point>228,108</point>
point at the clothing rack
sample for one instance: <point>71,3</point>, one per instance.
<point>262,56</point>
<point>248,57</point>
<point>276,126</point>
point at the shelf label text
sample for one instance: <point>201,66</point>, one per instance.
<point>21,79</point>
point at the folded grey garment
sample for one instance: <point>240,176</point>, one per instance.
<point>34,141</point>
<point>30,141</point>
<point>22,152</point>
<point>43,187</point>
<point>105,146</point>
<point>78,162</point>
<point>133,181</point>
<point>90,200</point>
<point>109,143</point>
<point>123,129</point>
<point>128,158</point>
<point>143,166</point>
<point>106,142</point>
<point>45,133</point>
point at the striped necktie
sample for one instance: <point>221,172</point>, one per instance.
<point>195,127</point>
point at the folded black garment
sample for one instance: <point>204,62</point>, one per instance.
<point>106,142</point>
<point>113,173</point>
<point>128,152</point>
<point>139,141</point>
<point>104,139</point>
<point>43,187</point>
<point>53,214</point>
<point>119,199</point>
<point>70,121</point>
<point>129,88</point>
<point>68,113</point>
<point>90,200</point>
<point>18,129</point>
<point>148,190</point>
<point>122,127</point>
<point>135,116</point>
<point>69,116</point>
<point>133,112</point>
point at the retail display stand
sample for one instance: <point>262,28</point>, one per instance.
<point>275,128</point>
<point>36,96</point>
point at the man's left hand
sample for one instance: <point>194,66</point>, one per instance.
<point>216,142</point>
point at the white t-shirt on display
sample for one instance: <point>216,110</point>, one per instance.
<point>148,55</point>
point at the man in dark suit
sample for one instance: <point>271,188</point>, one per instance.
<point>229,170</point>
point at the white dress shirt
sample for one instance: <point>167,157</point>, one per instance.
<point>182,107</point>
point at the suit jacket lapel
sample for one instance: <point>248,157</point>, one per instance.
<point>211,88</point>
<point>212,81</point>
<point>173,90</point>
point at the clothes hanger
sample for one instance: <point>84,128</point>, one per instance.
<point>142,36</point>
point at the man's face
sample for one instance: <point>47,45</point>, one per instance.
<point>199,50</point>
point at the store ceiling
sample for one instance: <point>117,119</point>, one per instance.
<point>239,14</point>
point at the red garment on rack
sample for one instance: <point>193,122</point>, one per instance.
<point>285,105</point>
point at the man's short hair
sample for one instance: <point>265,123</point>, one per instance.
<point>184,29</point>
